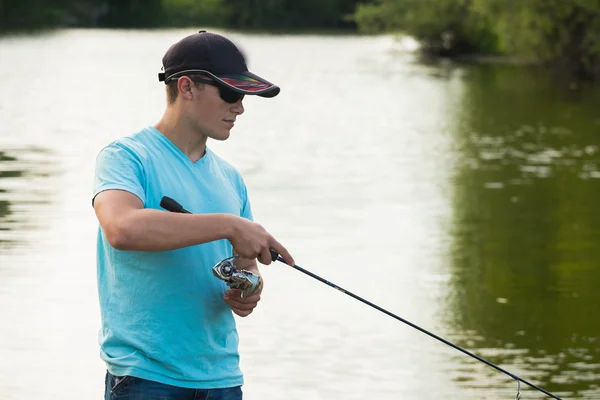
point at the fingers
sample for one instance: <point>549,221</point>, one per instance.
<point>241,313</point>
<point>254,242</point>
<point>287,257</point>
<point>241,306</point>
<point>234,297</point>
<point>265,256</point>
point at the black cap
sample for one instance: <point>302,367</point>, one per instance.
<point>210,54</point>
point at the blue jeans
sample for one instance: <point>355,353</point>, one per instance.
<point>132,388</point>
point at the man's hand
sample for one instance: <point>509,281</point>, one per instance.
<point>242,306</point>
<point>252,241</point>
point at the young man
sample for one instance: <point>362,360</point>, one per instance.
<point>168,330</point>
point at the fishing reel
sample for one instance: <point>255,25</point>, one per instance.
<point>244,280</point>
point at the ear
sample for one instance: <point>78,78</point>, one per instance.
<point>184,85</point>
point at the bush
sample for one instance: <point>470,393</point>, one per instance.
<point>215,13</point>
<point>444,27</point>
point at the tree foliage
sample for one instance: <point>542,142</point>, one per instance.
<point>564,34</point>
<point>290,13</point>
<point>133,13</point>
<point>241,14</point>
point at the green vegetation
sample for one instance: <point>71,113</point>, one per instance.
<point>444,27</point>
<point>563,34</point>
<point>194,12</point>
<point>237,14</point>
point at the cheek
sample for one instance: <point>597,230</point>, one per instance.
<point>208,112</point>
<point>216,109</point>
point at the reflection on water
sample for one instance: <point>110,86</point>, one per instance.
<point>4,204</point>
<point>526,227</point>
<point>462,199</point>
<point>24,188</point>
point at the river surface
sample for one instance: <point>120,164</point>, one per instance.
<point>461,198</point>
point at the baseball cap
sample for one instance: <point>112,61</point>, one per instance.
<point>213,55</point>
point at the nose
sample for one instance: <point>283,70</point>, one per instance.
<point>238,107</point>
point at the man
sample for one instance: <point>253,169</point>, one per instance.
<point>168,329</point>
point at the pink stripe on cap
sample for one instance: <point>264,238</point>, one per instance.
<point>246,83</point>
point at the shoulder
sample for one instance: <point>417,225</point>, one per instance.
<point>134,146</point>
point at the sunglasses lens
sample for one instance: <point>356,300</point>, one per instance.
<point>230,96</point>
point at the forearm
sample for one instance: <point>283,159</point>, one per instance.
<point>156,230</point>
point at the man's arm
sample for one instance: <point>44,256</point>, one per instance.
<point>129,226</point>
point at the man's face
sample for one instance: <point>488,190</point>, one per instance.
<point>213,116</point>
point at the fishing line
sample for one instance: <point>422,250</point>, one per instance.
<point>173,206</point>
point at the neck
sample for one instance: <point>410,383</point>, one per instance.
<point>182,134</point>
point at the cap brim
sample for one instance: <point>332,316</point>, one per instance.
<point>249,83</point>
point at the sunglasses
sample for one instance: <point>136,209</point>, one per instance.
<point>228,95</point>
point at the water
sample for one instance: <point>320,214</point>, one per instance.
<point>460,198</point>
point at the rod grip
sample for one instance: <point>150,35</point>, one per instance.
<point>171,205</point>
<point>274,255</point>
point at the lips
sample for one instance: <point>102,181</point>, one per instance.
<point>230,122</point>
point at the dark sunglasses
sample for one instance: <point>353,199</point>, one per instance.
<point>228,95</point>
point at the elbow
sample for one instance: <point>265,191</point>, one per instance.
<point>119,237</point>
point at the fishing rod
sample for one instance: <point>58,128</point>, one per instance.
<point>226,271</point>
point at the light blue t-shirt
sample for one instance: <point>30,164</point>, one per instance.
<point>163,314</point>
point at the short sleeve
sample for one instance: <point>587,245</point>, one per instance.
<point>119,168</point>
<point>246,208</point>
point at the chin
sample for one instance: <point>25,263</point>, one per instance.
<point>221,136</point>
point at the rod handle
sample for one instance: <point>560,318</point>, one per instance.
<point>171,205</point>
